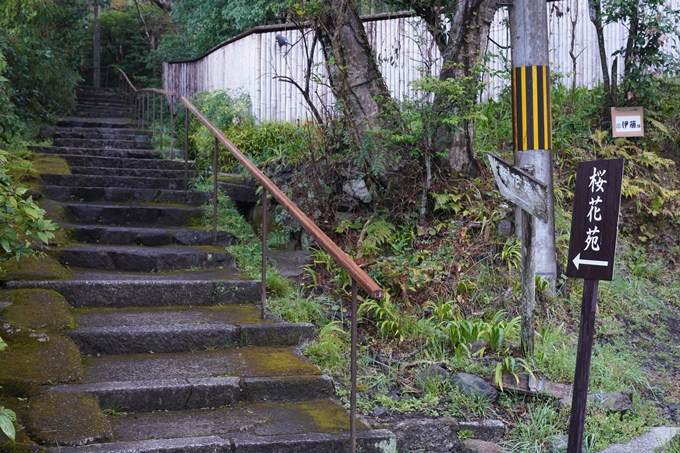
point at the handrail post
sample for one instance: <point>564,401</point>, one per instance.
<point>186,148</point>
<point>153,116</point>
<point>353,374</point>
<point>264,254</point>
<point>161,123</point>
<point>214,232</point>
<point>171,105</point>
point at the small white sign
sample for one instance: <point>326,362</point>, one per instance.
<point>628,122</point>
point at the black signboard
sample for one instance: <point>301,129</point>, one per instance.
<point>594,223</point>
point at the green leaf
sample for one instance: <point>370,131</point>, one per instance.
<point>6,418</point>
<point>658,125</point>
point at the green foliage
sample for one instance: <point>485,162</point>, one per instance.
<point>541,424</point>
<point>377,234</point>
<point>270,143</point>
<point>21,218</point>
<point>206,24</point>
<point>125,45</point>
<point>511,253</point>
<point>510,365</point>
<point>641,179</point>
<point>40,41</point>
<point>8,118</point>
<point>385,316</point>
<point>7,419</point>
<point>652,25</point>
<point>329,351</point>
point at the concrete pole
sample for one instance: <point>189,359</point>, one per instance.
<point>532,117</point>
<point>96,51</point>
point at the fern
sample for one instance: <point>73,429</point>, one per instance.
<point>376,234</point>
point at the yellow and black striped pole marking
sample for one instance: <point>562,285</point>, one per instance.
<point>531,114</point>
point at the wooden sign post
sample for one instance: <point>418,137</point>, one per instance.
<point>529,194</point>
<point>592,248</point>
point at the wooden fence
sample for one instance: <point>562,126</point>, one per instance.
<point>257,64</point>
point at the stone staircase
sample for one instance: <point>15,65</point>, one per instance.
<point>174,355</point>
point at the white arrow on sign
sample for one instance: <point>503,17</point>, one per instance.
<point>578,261</point>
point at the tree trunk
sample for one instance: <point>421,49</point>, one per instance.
<point>632,33</point>
<point>464,49</point>
<point>595,12</point>
<point>356,80</point>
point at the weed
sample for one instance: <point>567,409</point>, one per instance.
<point>534,430</point>
<point>510,365</point>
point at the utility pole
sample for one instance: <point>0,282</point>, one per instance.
<point>532,122</point>
<point>96,51</point>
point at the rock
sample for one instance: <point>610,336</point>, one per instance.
<point>469,383</point>
<point>615,401</point>
<point>431,435</point>
<point>477,346</point>
<point>486,430</point>
<point>290,263</point>
<point>377,412</point>
<point>433,372</point>
<point>478,446</point>
<point>358,190</point>
<point>505,227</point>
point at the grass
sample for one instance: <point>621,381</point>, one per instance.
<point>450,276</point>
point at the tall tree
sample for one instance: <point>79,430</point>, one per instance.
<point>460,29</point>
<point>355,78</point>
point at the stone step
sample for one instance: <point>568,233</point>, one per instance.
<point>113,162</point>
<point>130,258</point>
<point>310,426</point>
<point>182,329</point>
<point>102,112</point>
<point>167,394</point>
<point>202,287</point>
<point>93,132</point>
<point>132,215</point>
<point>94,101</point>
<point>112,181</point>
<point>149,237</point>
<point>112,153</point>
<point>100,143</point>
<point>135,172</point>
<point>202,378</point>
<point>96,122</point>
<point>125,195</point>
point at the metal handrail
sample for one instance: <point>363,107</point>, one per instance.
<point>343,260</point>
<point>357,274</point>
<point>326,243</point>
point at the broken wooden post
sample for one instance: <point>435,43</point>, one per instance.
<point>531,196</point>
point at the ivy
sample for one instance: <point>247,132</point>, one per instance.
<point>21,219</point>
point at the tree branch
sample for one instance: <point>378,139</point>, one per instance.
<point>146,28</point>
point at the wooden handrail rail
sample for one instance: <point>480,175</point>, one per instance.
<point>154,90</point>
<point>326,243</point>
<point>157,90</point>
<point>340,257</point>
<point>127,80</point>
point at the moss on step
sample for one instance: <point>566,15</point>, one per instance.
<point>34,359</point>
<point>259,361</point>
<point>67,419</point>
<point>53,210</point>
<point>37,309</point>
<point>50,164</point>
<point>41,268</point>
